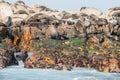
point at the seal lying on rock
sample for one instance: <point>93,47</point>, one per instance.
<point>51,32</point>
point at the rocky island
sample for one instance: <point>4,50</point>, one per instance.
<point>60,40</point>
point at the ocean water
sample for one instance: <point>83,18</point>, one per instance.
<point>20,73</point>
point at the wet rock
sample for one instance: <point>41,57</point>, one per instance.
<point>2,59</point>
<point>114,67</point>
<point>42,61</point>
<point>6,58</point>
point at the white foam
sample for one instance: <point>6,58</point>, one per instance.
<point>20,63</point>
<point>85,78</point>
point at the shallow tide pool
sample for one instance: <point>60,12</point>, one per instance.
<point>19,73</point>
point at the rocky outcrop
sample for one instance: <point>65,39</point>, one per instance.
<point>29,28</point>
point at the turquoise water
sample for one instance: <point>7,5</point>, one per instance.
<point>19,73</point>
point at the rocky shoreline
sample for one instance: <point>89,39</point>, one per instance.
<point>60,39</point>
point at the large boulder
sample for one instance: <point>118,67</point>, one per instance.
<point>90,10</point>
<point>5,13</point>
<point>5,10</point>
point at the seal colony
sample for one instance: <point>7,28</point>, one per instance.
<point>60,39</point>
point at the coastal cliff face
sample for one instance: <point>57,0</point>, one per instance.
<point>60,39</point>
